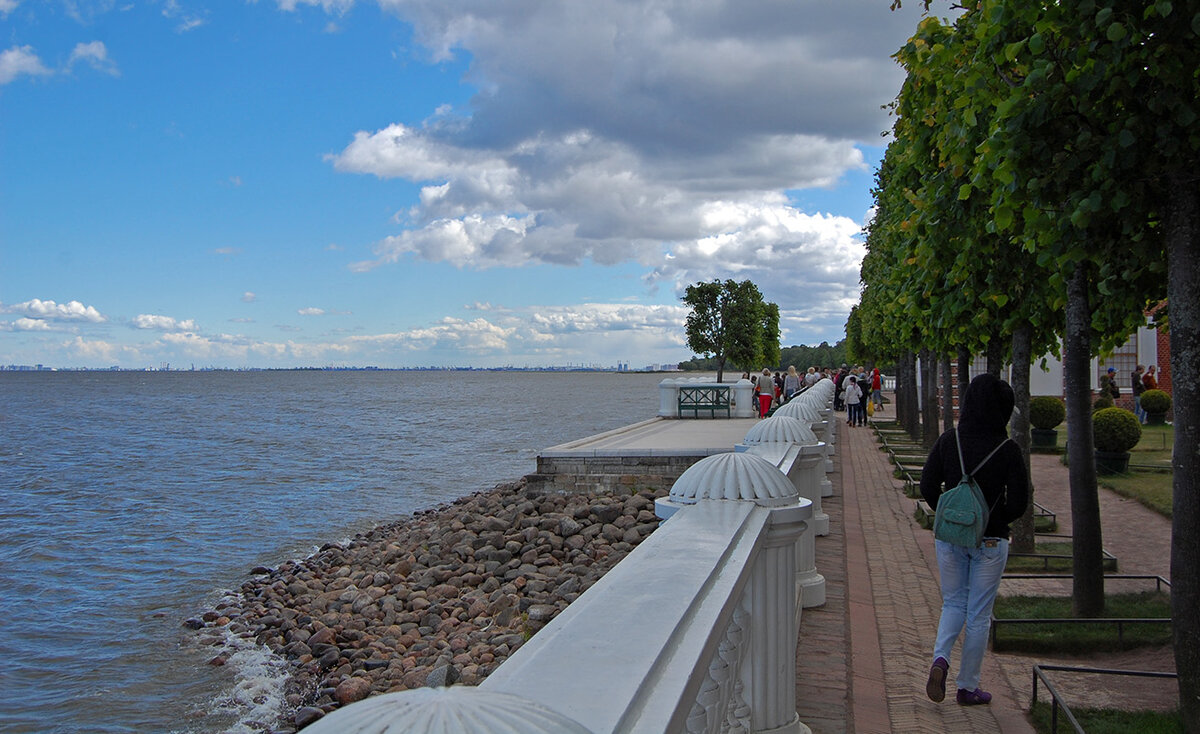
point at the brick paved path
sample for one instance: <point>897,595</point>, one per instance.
<point>863,657</point>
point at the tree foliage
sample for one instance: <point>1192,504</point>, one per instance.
<point>733,323</point>
<point>1046,161</point>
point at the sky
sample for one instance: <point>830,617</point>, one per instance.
<point>405,183</point>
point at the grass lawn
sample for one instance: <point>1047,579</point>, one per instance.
<point>1075,638</point>
<point>1151,488</point>
<point>1029,564</point>
<point>1109,721</point>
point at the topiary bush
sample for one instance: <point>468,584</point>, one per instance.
<point>1046,412</point>
<point>1156,401</point>
<point>1116,430</point>
<point>1102,402</point>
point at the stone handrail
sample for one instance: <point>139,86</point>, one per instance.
<point>693,632</point>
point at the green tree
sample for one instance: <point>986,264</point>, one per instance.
<point>732,322</point>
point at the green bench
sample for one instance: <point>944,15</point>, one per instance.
<point>696,399</point>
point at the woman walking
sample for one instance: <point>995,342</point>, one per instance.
<point>971,576</point>
<point>766,392</point>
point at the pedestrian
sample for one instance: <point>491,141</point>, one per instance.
<point>791,383</point>
<point>766,392</point>
<point>1135,383</point>
<point>1110,383</point>
<point>853,395</point>
<point>1150,380</point>
<point>970,577</point>
<point>877,389</point>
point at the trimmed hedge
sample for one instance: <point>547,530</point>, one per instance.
<point>1116,430</point>
<point>1046,412</point>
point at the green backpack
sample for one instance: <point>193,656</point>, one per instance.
<point>962,512</point>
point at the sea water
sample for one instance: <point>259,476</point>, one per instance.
<point>131,501</point>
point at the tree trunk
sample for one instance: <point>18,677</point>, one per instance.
<point>901,393</point>
<point>947,396</point>
<point>995,356</point>
<point>1022,358</point>
<point>1182,232</point>
<point>964,374</point>
<point>913,415</point>
<point>1088,586</point>
<point>929,399</point>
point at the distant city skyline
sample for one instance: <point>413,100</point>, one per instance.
<point>400,183</point>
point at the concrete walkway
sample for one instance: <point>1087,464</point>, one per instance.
<point>863,657</point>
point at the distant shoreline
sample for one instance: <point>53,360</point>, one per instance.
<point>41,368</point>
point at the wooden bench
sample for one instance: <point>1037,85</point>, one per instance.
<point>696,399</point>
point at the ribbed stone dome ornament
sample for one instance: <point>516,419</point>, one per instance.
<point>734,476</point>
<point>801,410</point>
<point>454,710</point>
<point>780,429</point>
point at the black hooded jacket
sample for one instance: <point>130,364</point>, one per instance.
<point>982,425</point>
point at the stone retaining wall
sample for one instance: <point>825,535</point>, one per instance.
<point>582,474</point>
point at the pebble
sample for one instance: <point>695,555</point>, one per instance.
<point>441,597</point>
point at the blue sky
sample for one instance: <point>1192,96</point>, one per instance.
<point>428,182</point>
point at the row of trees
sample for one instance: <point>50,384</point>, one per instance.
<point>1041,188</point>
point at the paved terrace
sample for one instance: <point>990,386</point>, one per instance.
<point>863,657</point>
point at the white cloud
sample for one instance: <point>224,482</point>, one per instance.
<point>227,251</point>
<point>20,60</point>
<point>333,7</point>
<point>95,351</point>
<point>667,134</point>
<point>187,20</point>
<point>27,324</point>
<point>163,323</point>
<point>53,311</point>
<point>7,6</point>
<point>94,54</point>
<point>249,297</point>
<point>311,311</point>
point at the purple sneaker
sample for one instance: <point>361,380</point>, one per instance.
<point>973,698</point>
<point>935,687</point>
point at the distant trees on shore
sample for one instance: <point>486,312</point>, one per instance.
<point>802,356</point>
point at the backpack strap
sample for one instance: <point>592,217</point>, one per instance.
<point>985,459</point>
<point>979,466</point>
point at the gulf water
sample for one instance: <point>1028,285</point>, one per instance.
<point>131,501</point>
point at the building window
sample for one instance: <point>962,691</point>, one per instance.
<point>1123,360</point>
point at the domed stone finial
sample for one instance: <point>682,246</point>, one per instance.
<point>734,476</point>
<point>780,429</point>
<point>454,710</point>
<point>801,410</point>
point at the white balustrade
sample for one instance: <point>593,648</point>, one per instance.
<point>694,631</point>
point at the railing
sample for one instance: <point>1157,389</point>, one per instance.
<point>1056,701</point>
<point>694,631</point>
<point>740,395</point>
<point>706,397</point>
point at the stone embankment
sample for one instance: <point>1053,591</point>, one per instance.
<point>442,597</point>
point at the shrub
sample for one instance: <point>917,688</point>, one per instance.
<point>1116,430</point>
<point>1102,402</point>
<point>1046,412</point>
<point>1156,401</point>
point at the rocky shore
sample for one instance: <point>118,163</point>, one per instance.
<point>442,597</point>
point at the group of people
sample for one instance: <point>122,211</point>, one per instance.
<point>1141,380</point>
<point>854,387</point>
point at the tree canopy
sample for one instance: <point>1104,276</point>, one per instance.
<point>731,322</point>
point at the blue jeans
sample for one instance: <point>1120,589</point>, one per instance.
<point>1137,408</point>
<point>970,578</point>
